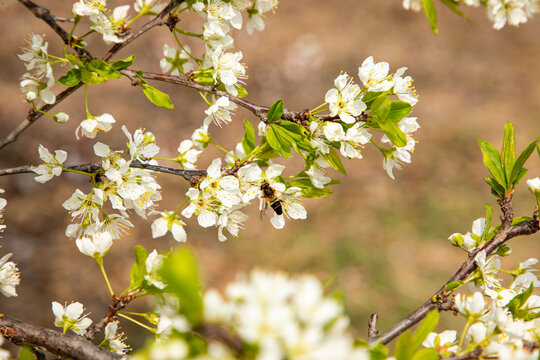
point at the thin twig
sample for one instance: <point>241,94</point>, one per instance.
<point>441,298</point>
<point>93,168</point>
<point>45,15</point>
<point>117,304</point>
<point>69,346</point>
<point>34,115</point>
<point>471,355</point>
<point>157,21</point>
<point>258,110</point>
<point>372,327</point>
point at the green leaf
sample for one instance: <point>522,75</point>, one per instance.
<point>380,109</point>
<point>453,285</point>
<point>279,141</point>
<point>308,189</point>
<point>123,64</point>
<point>248,141</point>
<point>26,353</point>
<point>520,176</point>
<point>515,305</point>
<point>333,159</point>
<point>431,14</point>
<point>496,188</point>
<point>157,97</point>
<point>398,110</point>
<point>452,6</point>
<point>370,97</point>
<point>426,326</point>
<point>242,92</point>
<point>181,273</point>
<point>518,165</point>
<point>275,111</point>
<point>489,217</point>
<point>426,354</point>
<point>492,161</point>
<point>138,270</point>
<point>74,59</point>
<point>97,72</point>
<point>503,250</point>
<point>508,152</point>
<point>378,352</point>
<point>394,133</point>
<point>404,349</point>
<point>284,135</point>
<point>72,78</point>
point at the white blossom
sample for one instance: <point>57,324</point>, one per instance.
<point>52,165</point>
<point>9,276</point>
<point>69,317</point>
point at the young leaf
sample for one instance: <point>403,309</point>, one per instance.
<point>181,273</point>
<point>380,109</point>
<point>275,111</point>
<point>453,6</point>
<point>26,353</point>
<point>515,305</point>
<point>398,110</point>
<point>278,141</point>
<point>157,97</point>
<point>428,325</point>
<point>378,352</point>
<point>333,159</point>
<point>404,349</point>
<point>523,157</point>
<point>103,70</point>
<point>453,285</point>
<point>489,217</point>
<point>72,78</point>
<point>431,14</point>
<point>426,354</point>
<point>370,97</point>
<point>496,189</point>
<point>492,161</point>
<point>508,152</point>
<point>123,64</point>
<point>248,141</point>
<point>308,189</point>
<point>138,270</point>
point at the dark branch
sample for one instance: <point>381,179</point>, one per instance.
<point>471,355</point>
<point>117,304</point>
<point>69,346</point>
<point>441,298</point>
<point>157,21</point>
<point>34,115</point>
<point>93,168</point>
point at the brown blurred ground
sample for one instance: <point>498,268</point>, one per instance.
<point>382,242</point>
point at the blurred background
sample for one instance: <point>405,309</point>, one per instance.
<point>382,243</point>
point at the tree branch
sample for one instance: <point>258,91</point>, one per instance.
<point>45,14</point>
<point>92,168</point>
<point>258,110</point>
<point>117,304</point>
<point>69,346</point>
<point>440,300</point>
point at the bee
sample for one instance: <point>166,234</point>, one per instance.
<point>269,196</point>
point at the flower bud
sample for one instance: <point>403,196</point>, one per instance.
<point>61,117</point>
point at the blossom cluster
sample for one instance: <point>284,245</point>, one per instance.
<point>345,100</point>
<point>125,187</point>
<point>9,273</point>
<point>500,12</point>
<point>281,317</point>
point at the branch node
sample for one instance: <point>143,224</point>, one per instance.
<point>373,333</point>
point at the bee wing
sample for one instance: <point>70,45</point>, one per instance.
<point>263,207</point>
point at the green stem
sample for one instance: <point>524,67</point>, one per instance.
<point>251,154</point>
<point>222,149</point>
<point>86,34</point>
<point>77,19</point>
<point>164,159</point>
<point>184,49</point>
<point>205,99</point>
<point>137,322</point>
<point>44,113</point>
<point>188,33</point>
<point>134,19</point>
<point>181,206</point>
<point>76,171</point>
<point>318,111</point>
<point>88,115</point>
<point>462,338</point>
<point>317,108</point>
<point>99,261</point>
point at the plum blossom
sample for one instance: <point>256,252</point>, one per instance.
<point>375,76</point>
<point>174,61</point>
<point>220,112</point>
<point>228,69</point>
<point>52,165</point>
<point>91,126</point>
<point>169,221</point>
<point>9,276</point>
<point>344,99</point>
<point>187,155</point>
<point>69,317</point>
